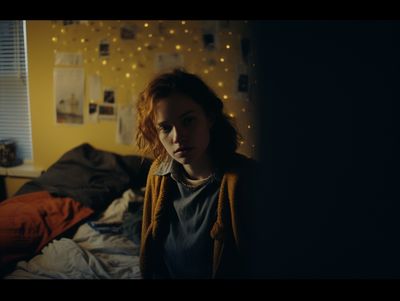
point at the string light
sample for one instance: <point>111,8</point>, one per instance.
<point>171,31</point>
<point>226,69</point>
<point>146,24</point>
<point>183,22</point>
<point>231,114</point>
<point>139,48</point>
<point>178,47</point>
<point>249,126</point>
<point>127,75</point>
<point>104,62</point>
<point>228,46</point>
<point>205,71</point>
<point>225,96</point>
<point>54,39</point>
<point>243,110</point>
<point>220,84</point>
<point>150,35</point>
<point>221,59</point>
<point>186,30</point>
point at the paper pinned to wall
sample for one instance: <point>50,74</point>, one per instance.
<point>69,95</point>
<point>94,84</point>
<point>126,130</point>
<point>168,61</point>
<point>68,59</point>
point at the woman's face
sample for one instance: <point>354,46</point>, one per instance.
<point>183,128</point>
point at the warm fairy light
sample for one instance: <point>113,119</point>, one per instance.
<point>146,44</point>
<point>243,110</point>
<point>139,48</point>
<point>186,30</point>
<point>134,66</point>
<point>249,126</point>
<point>230,33</point>
<point>62,30</point>
<point>231,114</point>
<point>162,39</point>
<point>226,69</point>
<point>127,75</point>
<point>189,49</point>
<point>113,68</point>
<point>104,62</point>
<point>54,39</point>
<point>178,47</point>
<point>118,49</point>
<point>221,59</point>
<point>122,60</point>
<point>220,84</point>
<point>225,96</point>
<point>227,46</point>
<point>171,31</point>
<point>183,22</point>
<point>146,24</point>
<point>82,40</point>
<point>114,40</point>
<point>205,71</point>
<point>241,142</point>
<point>150,35</point>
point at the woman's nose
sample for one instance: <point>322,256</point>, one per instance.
<point>178,135</point>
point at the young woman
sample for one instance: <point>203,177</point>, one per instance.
<point>199,200</point>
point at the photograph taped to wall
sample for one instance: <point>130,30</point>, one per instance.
<point>128,32</point>
<point>168,61</point>
<point>109,96</point>
<point>93,112</point>
<point>107,111</point>
<point>104,48</point>
<point>69,95</point>
<point>209,30</point>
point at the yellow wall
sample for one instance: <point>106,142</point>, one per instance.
<point>44,38</point>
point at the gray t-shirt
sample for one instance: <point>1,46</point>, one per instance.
<point>188,247</point>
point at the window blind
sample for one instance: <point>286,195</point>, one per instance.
<point>15,121</point>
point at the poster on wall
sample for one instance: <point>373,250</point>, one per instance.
<point>69,95</point>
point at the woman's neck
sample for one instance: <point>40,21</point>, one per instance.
<point>201,169</point>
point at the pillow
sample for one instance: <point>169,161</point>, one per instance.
<point>28,222</point>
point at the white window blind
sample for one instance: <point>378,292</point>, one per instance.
<point>15,121</point>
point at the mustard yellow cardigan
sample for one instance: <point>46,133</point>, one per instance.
<point>231,232</point>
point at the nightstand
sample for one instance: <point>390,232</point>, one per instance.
<point>12,178</point>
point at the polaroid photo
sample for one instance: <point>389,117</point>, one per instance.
<point>93,112</point>
<point>128,32</point>
<point>104,48</point>
<point>107,111</point>
<point>109,96</point>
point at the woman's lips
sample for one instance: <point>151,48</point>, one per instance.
<point>183,150</point>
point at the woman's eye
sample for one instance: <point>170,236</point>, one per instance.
<point>164,128</point>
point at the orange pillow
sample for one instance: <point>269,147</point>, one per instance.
<point>29,221</point>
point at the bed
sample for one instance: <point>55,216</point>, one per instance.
<point>80,219</point>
